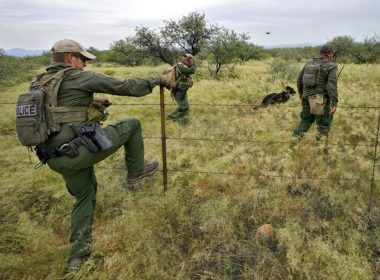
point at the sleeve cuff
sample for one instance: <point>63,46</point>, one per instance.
<point>154,82</point>
<point>157,81</point>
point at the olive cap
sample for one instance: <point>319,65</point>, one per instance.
<point>67,45</point>
<point>189,56</point>
<point>326,49</point>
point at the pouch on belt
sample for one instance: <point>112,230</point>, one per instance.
<point>317,103</point>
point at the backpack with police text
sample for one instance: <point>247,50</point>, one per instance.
<point>37,112</point>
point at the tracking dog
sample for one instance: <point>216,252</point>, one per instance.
<point>274,98</point>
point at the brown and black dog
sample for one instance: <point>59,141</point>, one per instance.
<point>274,98</point>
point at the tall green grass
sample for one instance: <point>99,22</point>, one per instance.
<point>204,226</point>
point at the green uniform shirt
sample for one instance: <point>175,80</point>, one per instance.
<point>326,82</point>
<point>78,88</point>
<point>184,72</point>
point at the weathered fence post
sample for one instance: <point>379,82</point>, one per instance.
<point>163,139</point>
<point>374,167</point>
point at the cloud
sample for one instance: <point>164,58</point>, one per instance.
<point>300,21</point>
<point>38,23</point>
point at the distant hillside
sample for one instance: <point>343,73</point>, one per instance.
<point>22,52</point>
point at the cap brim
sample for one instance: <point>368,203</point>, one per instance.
<point>88,55</point>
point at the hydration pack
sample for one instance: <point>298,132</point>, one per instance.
<point>311,73</point>
<point>37,112</point>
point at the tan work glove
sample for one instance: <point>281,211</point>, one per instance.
<point>97,110</point>
<point>167,78</point>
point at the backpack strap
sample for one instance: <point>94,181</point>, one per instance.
<point>59,76</point>
<point>56,115</point>
<point>176,74</point>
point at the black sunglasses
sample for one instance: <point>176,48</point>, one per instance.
<point>81,57</point>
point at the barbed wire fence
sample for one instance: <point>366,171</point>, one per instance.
<point>165,138</point>
<point>268,212</point>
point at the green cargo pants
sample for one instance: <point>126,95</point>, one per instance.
<point>180,96</point>
<point>307,119</point>
<point>80,179</point>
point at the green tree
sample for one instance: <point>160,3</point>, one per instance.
<point>226,47</point>
<point>244,49</point>
<point>94,51</point>
<point>342,45</point>
<point>257,52</point>
<point>368,51</point>
<point>156,45</point>
<point>190,34</point>
<point>126,52</point>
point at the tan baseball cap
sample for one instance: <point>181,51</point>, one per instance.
<point>67,45</point>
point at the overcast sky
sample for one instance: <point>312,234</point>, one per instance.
<point>37,24</point>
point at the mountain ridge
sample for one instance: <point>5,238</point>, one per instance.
<point>20,52</point>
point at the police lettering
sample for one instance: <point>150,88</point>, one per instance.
<point>26,110</point>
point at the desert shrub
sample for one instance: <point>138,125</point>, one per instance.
<point>14,70</point>
<point>296,53</point>
<point>283,71</point>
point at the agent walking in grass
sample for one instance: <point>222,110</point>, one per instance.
<point>183,83</point>
<point>317,86</point>
<point>77,141</point>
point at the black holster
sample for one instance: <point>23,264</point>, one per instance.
<point>93,137</point>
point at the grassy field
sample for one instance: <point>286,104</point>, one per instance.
<point>219,192</point>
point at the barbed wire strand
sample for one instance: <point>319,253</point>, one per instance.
<point>271,176</point>
<point>243,141</point>
<point>220,105</point>
<point>239,174</point>
<point>262,141</point>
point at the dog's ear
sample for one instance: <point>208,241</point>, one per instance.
<point>290,90</point>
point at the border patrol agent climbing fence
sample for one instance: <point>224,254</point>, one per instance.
<point>183,82</point>
<point>60,116</point>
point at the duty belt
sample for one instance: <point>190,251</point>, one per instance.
<point>91,136</point>
<point>69,149</point>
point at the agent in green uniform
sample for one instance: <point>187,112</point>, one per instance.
<point>76,92</point>
<point>183,83</point>
<point>317,86</point>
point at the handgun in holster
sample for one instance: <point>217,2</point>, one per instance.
<point>93,137</point>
